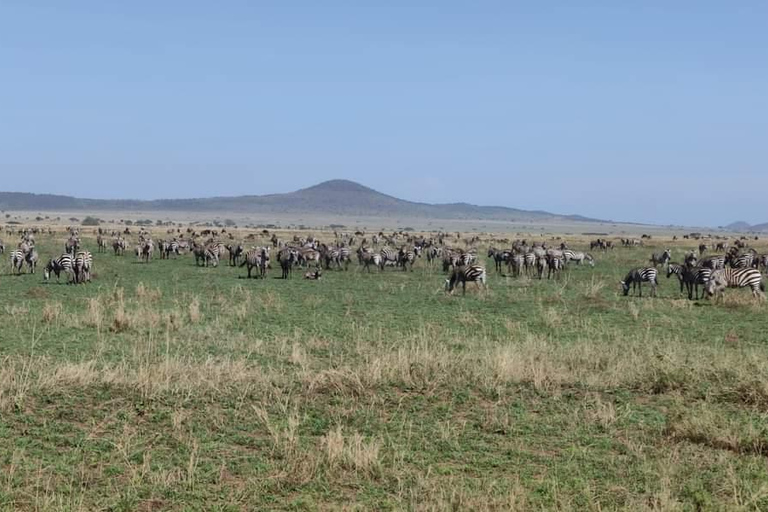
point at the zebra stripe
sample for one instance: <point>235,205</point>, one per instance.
<point>735,278</point>
<point>474,273</point>
<point>637,277</point>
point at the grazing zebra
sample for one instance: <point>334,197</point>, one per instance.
<point>735,278</point>
<point>63,263</point>
<point>661,258</point>
<point>578,257</point>
<point>81,267</point>
<point>256,258</point>
<point>17,260</point>
<point>462,274</point>
<point>637,277</point>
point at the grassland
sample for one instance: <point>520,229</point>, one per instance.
<point>166,386</point>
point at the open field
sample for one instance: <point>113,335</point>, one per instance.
<point>166,386</point>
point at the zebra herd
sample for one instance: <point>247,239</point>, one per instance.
<point>713,273</point>
<point>700,273</point>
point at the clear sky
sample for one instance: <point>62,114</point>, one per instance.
<point>651,111</point>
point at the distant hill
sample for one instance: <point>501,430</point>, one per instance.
<point>744,227</point>
<point>335,197</point>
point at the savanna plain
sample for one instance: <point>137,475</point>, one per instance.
<point>169,386</point>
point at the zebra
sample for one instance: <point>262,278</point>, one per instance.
<point>30,258</point>
<point>63,263</point>
<point>72,245</point>
<point>578,257</point>
<point>735,278</point>
<point>637,277</point>
<point>739,260</point>
<point>541,265</point>
<point>695,276</point>
<point>368,258</point>
<point>389,256</point>
<point>287,258</point>
<point>17,260</point>
<point>679,271</point>
<point>450,260</point>
<point>702,249</point>
<point>499,257</point>
<point>119,246</point>
<point>235,251</point>
<point>713,262</point>
<point>462,274</point>
<point>691,260</point>
<point>661,258</point>
<point>406,257</point>
<point>467,258</point>
<point>101,243</point>
<point>517,264</point>
<point>256,258</point>
<point>218,249</point>
<point>554,265</point>
<point>82,267</point>
<point>147,248</point>
<point>330,256</point>
<point>2,247</point>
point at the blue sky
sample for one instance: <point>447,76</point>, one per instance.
<point>643,111</point>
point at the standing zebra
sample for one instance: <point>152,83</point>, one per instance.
<point>235,251</point>
<point>287,258</point>
<point>661,258</point>
<point>406,257</point>
<point>30,258</point>
<point>17,260</point>
<point>368,258</point>
<point>256,258</point>
<point>474,273</point>
<point>713,262</point>
<point>499,257</point>
<point>101,243</point>
<point>63,263</point>
<point>389,256</point>
<point>72,245</point>
<point>637,277</point>
<point>679,271</point>
<point>739,260</point>
<point>119,246</point>
<point>735,278</point>
<point>82,267</point>
<point>554,265</point>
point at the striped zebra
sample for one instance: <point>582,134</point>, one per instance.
<point>541,265</point>
<point>101,243</point>
<point>63,263</point>
<point>499,257</point>
<point>256,258</point>
<point>288,257</point>
<point>72,245</point>
<point>119,246</point>
<point>694,277</point>
<point>679,271</point>
<point>406,257</point>
<point>30,258</point>
<point>661,258</point>
<point>434,253</point>
<point>735,278</point>
<point>467,258</point>
<point>147,249</point>
<point>578,257</point>
<point>81,267</point>
<point>555,264</point>
<point>218,249</point>
<point>462,274</point>
<point>17,261</point>
<point>516,263</point>
<point>389,257</point>
<point>713,262</point>
<point>330,256</point>
<point>637,277</point>
<point>369,258</point>
<point>235,252</point>
<point>739,260</point>
<point>450,259</point>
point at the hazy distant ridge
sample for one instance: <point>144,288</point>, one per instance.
<point>335,197</point>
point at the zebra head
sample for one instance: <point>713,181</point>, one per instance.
<point>448,286</point>
<point>625,287</point>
